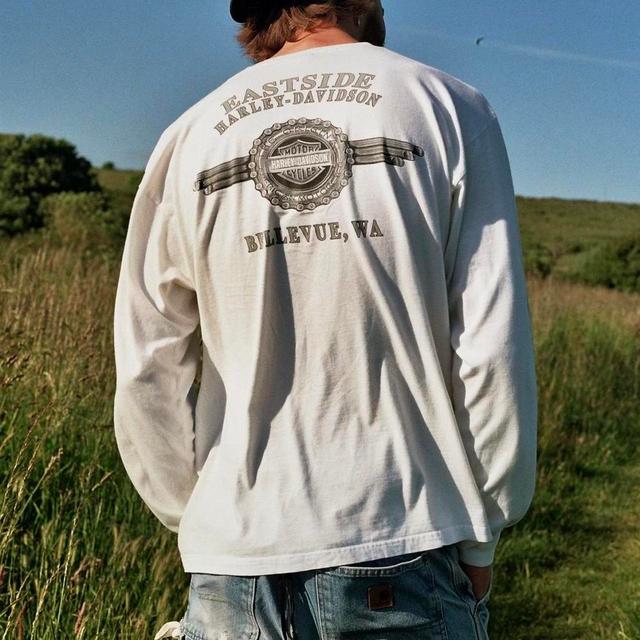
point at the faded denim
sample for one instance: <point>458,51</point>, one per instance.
<point>420,595</point>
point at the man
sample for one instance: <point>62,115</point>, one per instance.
<point>339,223</point>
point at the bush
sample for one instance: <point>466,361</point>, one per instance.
<point>538,259</point>
<point>135,179</point>
<point>31,168</point>
<point>614,264</point>
<point>83,220</point>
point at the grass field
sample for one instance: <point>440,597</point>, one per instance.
<point>82,557</point>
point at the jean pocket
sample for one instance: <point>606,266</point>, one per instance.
<point>221,606</point>
<point>464,583</point>
<point>484,599</point>
<point>390,566</point>
<point>392,597</point>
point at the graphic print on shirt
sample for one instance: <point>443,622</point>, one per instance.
<point>304,163</point>
<point>313,88</point>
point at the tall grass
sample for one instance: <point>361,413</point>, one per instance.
<point>82,557</point>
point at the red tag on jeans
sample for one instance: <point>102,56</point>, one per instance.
<point>380,596</point>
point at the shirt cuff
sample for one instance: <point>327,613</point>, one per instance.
<point>478,554</point>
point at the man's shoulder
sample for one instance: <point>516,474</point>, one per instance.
<point>470,105</point>
<point>398,68</point>
<point>427,72</point>
<point>449,94</point>
<point>457,102</point>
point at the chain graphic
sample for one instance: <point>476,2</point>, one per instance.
<point>304,163</point>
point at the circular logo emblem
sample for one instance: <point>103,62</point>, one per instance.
<point>301,164</point>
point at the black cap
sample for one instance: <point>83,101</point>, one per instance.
<point>239,10</point>
<point>243,9</point>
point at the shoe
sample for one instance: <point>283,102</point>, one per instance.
<point>169,630</point>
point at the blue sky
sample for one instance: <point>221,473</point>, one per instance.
<point>563,77</point>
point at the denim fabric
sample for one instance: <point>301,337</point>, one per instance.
<point>422,595</point>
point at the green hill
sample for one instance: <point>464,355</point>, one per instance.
<point>585,241</point>
<point>80,555</point>
<point>121,180</point>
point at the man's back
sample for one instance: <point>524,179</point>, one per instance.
<point>320,216</point>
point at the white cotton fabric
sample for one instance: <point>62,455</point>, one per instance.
<point>359,398</point>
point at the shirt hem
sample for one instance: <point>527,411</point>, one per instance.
<point>323,558</point>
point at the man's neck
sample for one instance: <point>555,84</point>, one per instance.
<point>320,38</point>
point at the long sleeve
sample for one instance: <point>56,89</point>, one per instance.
<point>156,356</point>
<point>493,372</point>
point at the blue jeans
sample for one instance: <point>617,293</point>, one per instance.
<point>422,595</point>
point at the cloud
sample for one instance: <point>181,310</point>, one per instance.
<point>540,52</point>
<point>557,54</point>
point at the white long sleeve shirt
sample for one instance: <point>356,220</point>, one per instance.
<point>340,223</point>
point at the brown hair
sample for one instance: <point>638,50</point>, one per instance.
<point>265,33</point>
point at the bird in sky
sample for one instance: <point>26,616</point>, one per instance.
<point>479,40</point>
